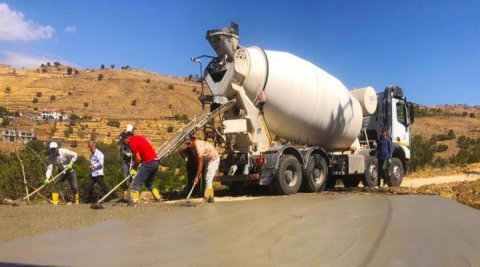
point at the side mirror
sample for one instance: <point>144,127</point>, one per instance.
<point>412,112</point>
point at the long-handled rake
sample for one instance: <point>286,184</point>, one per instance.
<point>51,180</point>
<point>99,205</point>
<point>189,194</point>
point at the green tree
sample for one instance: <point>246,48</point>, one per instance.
<point>451,134</point>
<point>102,66</point>
<point>112,66</point>
<point>69,71</point>
<point>422,152</point>
<point>170,129</point>
<point>76,72</point>
<point>100,77</point>
<point>472,115</point>
<point>56,64</point>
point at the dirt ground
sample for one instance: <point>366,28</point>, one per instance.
<point>25,220</point>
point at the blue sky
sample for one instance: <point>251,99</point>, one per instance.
<point>429,48</point>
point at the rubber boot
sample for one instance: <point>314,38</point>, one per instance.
<point>206,195</point>
<point>55,198</point>
<point>211,198</point>
<point>77,198</point>
<point>156,195</point>
<point>134,198</point>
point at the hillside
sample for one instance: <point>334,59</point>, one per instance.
<point>158,98</point>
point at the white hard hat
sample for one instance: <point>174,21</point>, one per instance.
<point>53,145</point>
<point>129,128</point>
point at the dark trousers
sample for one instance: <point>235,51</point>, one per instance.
<point>71,176</point>
<point>91,183</point>
<point>126,172</point>
<point>382,171</point>
<point>145,174</point>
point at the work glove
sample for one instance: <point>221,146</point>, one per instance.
<point>389,160</point>
<point>133,172</point>
<point>128,154</point>
<point>47,181</point>
<point>69,166</point>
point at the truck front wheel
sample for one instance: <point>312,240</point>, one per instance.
<point>395,173</point>
<point>288,177</point>
<point>370,177</point>
<point>315,177</point>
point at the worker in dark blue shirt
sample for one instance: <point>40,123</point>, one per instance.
<point>384,156</point>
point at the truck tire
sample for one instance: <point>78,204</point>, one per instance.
<point>395,173</point>
<point>288,177</point>
<point>370,177</point>
<point>315,177</point>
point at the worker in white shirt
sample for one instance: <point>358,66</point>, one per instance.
<point>64,160</point>
<point>96,175</point>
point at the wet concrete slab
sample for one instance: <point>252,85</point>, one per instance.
<point>300,230</point>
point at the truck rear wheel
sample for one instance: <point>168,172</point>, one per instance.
<point>288,177</point>
<point>370,177</point>
<point>315,177</point>
<point>395,173</point>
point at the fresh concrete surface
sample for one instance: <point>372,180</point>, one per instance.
<point>300,230</point>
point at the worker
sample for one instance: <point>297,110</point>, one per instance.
<point>145,166</point>
<point>126,158</point>
<point>189,156</point>
<point>64,160</point>
<point>384,156</point>
<point>203,150</point>
<point>96,175</point>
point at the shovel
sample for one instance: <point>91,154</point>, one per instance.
<point>98,205</point>
<point>189,194</point>
<point>51,180</point>
<point>38,193</point>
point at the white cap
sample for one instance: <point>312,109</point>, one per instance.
<point>53,145</point>
<point>129,128</point>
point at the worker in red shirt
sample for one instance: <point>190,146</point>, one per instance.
<point>145,166</point>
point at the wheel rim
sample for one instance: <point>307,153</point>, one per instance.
<point>291,176</point>
<point>396,173</point>
<point>373,173</point>
<point>317,176</point>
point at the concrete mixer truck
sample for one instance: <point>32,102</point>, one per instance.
<point>296,127</point>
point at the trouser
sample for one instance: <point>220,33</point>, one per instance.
<point>382,166</point>
<point>126,172</point>
<point>145,174</point>
<point>71,176</point>
<point>91,183</point>
<point>212,168</point>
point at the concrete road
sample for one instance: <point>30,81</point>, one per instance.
<point>300,230</point>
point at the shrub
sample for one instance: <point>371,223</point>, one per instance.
<point>170,129</point>
<point>74,143</point>
<point>442,148</point>
<point>69,93</point>
<point>194,89</point>
<point>472,115</point>
<point>85,104</point>
<point>39,94</point>
<point>56,64</point>
<point>464,114</point>
<point>100,76</point>
<point>35,100</point>
<point>451,134</point>
<point>35,108</point>
<point>52,98</point>
<point>102,66</point>
<point>134,102</point>
<point>44,70</point>
<point>112,66</point>
<point>113,123</point>
<point>8,89</point>
<point>76,72</point>
<point>148,81</point>
<point>69,71</point>
<point>48,64</point>
<point>171,87</point>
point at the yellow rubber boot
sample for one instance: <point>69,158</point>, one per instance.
<point>211,198</point>
<point>206,194</point>
<point>77,198</point>
<point>156,194</point>
<point>55,198</point>
<point>134,198</point>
